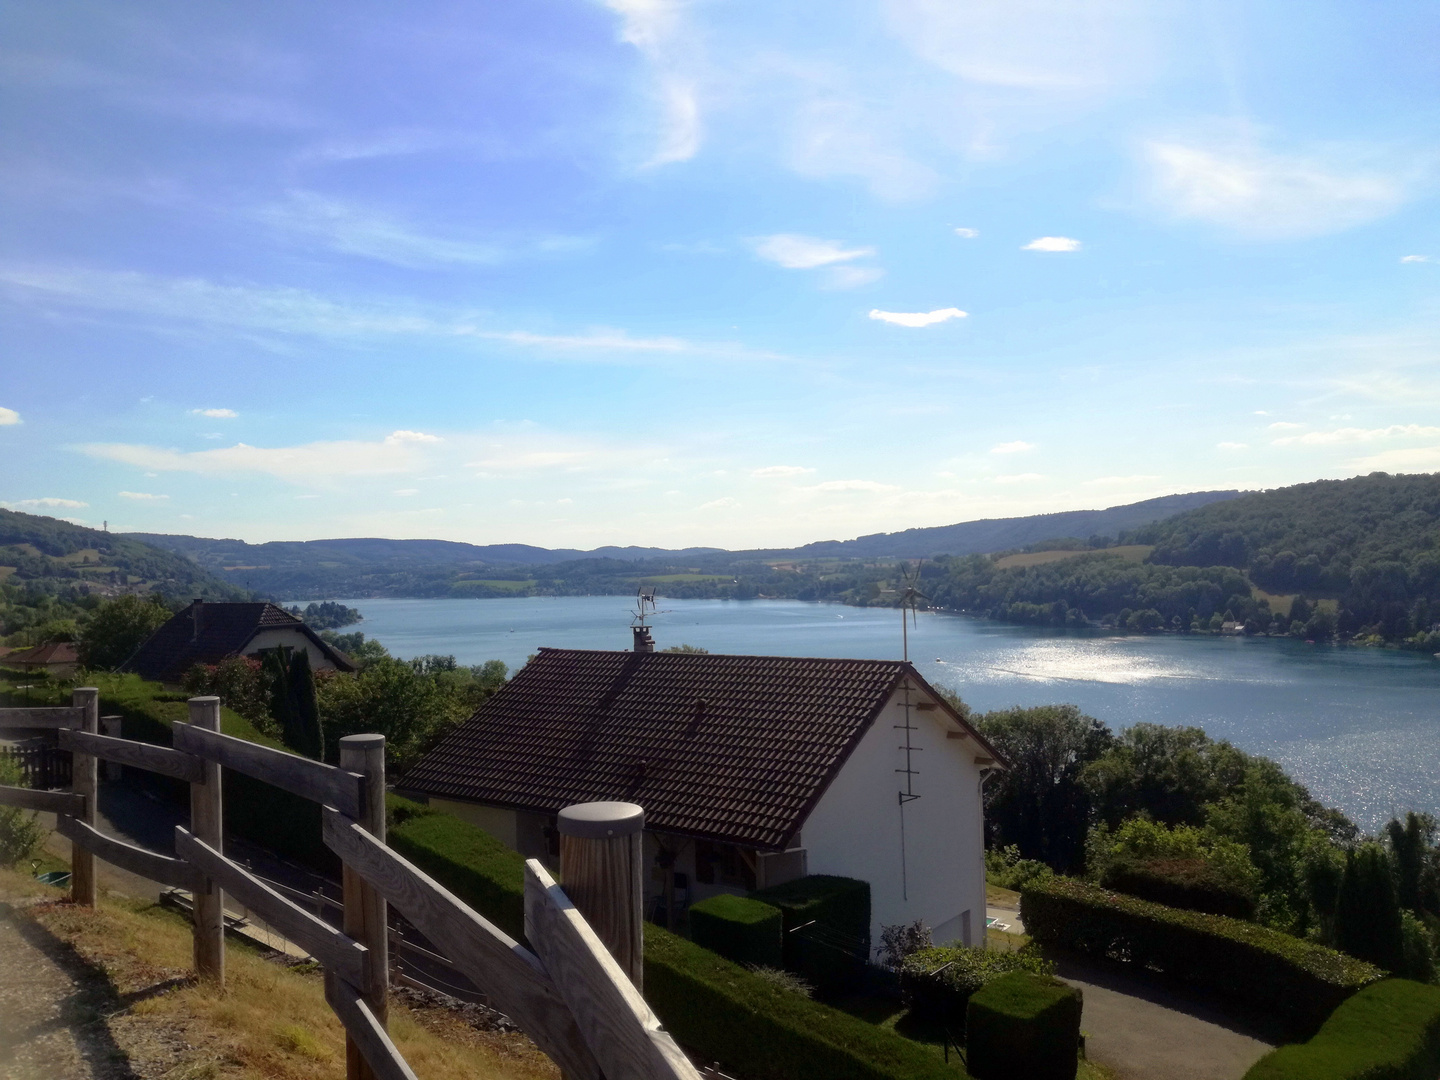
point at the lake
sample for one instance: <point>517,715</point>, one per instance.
<point>1359,727</point>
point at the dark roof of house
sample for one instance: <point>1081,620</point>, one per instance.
<point>54,652</point>
<point>225,630</point>
<point>748,767</point>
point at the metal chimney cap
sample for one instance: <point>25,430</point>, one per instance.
<point>601,820</point>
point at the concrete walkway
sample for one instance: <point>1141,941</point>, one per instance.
<point>1146,1030</point>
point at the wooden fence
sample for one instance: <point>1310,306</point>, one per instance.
<point>569,995</point>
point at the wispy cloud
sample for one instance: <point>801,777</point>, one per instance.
<point>653,26</point>
<point>967,234</point>
<point>141,496</point>
<point>1235,183</point>
<point>852,485</point>
<point>773,471</point>
<point>1340,436</point>
<point>1414,258</point>
<point>1052,243</point>
<point>796,252</point>
<point>1232,446</point>
<point>916,319</point>
<point>397,453</point>
<point>47,503</point>
<point>215,414</point>
<point>1019,478</point>
<point>8,417</point>
<point>1117,481</point>
<point>1423,458</point>
<point>1016,447</point>
<point>1285,425</point>
<point>723,503</point>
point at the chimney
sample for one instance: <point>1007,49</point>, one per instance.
<point>643,641</point>
<point>197,618</point>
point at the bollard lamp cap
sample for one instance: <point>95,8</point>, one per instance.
<point>601,820</point>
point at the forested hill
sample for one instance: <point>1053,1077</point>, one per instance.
<point>1355,558</point>
<point>52,556</point>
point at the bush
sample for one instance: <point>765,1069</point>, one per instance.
<point>1008,870</point>
<point>938,982</point>
<point>739,929</point>
<point>1297,982</point>
<point>832,952</point>
<point>20,832</point>
<point>1024,1026</point>
<point>1367,913</point>
<point>1191,884</point>
<point>1387,1031</point>
<point>1182,867</point>
<point>119,627</point>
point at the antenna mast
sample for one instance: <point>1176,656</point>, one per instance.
<point>639,622</point>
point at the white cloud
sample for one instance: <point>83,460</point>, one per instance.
<point>1111,481</point>
<point>406,491</point>
<point>852,485</point>
<point>718,504</point>
<point>45,504</point>
<point>1414,258</point>
<point>653,27</point>
<point>772,471</point>
<point>141,496</point>
<point>917,319</point>
<point>1052,243</point>
<point>309,462</point>
<point>1232,446</point>
<point>1016,447</point>
<point>1240,186</point>
<point>1359,435</point>
<point>796,252</point>
<point>968,234</point>
<point>1019,478</point>
<point>8,416</point>
<point>1285,425</point>
<point>215,414</point>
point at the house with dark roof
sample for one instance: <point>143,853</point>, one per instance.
<point>207,632</point>
<point>752,770</point>
<point>57,658</point>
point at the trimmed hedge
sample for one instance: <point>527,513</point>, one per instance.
<point>756,1030</point>
<point>832,953</point>
<point>715,1008</point>
<point>937,982</point>
<point>1297,982</point>
<point>1024,1026</point>
<point>1191,884</point>
<point>739,929</point>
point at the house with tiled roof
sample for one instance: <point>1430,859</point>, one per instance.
<point>752,771</point>
<point>207,632</point>
<point>57,658</point>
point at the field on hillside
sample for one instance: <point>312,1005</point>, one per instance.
<point>1129,552</point>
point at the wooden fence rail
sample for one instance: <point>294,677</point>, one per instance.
<point>570,995</point>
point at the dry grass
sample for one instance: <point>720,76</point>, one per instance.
<point>1129,552</point>
<point>1279,602</point>
<point>1007,898</point>
<point>269,1021</point>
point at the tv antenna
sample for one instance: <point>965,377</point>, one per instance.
<point>908,597</point>
<point>640,618</point>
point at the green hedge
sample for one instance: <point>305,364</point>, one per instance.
<point>832,952</point>
<point>1387,1031</point>
<point>714,1008</point>
<point>758,1031</point>
<point>738,928</point>
<point>1191,884</point>
<point>1296,982</point>
<point>937,982</point>
<point>1024,1026</point>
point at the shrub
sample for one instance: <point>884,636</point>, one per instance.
<point>118,627</point>
<point>1297,982</point>
<point>1008,870</point>
<point>1191,884</point>
<point>832,951</point>
<point>20,832</point>
<point>1183,866</point>
<point>1024,1026</point>
<point>937,982</point>
<point>1367,914</point>
<point>899,940</point>
<point>739,929</point>
<point>791,984</point>
<point>1388,1031</point>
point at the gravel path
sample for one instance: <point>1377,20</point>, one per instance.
<point>1145,1030</point>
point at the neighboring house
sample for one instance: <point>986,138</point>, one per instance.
<point>752,770</point>
<point>57,658</point>
<point>208,632</point>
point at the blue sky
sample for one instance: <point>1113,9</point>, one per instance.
<point>706,273</point>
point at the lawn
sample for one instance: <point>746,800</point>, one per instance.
<point>1129,552</point>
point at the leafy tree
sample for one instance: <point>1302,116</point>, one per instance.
<point>119,627</point>
<point>20,832</point>
<point>1040,804</point>
<point>1367,914</point>
<point>1409,844</point>
<point>1169,774</point>
<point>240,682</point>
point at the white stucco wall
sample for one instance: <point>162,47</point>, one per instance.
<point>294,639</point>
<point>855,829</point>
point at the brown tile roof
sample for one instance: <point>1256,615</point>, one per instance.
<point>225,630</point>
<point>575,725</point>
<point>54,652</point>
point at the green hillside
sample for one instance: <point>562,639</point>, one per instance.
<point>53,573</point>
<point>1356,558</point>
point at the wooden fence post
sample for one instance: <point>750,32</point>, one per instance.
<point>365,908</point>
<point>85,780</point>
<point>602,855</point>
<point>207,824</point>
<point>110,725</point>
